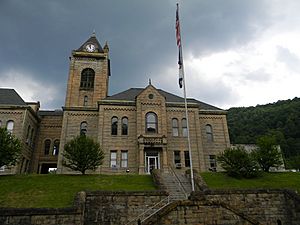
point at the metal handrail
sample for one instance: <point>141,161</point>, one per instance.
<point>167,199</point>
<point>180,184</point>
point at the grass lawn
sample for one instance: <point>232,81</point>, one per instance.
<point>287,180</point>
<point>56,191</point>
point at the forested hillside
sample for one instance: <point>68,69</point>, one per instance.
<point>282,119</point>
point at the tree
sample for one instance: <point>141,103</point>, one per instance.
<point>267,154</point>
<point>82,153</point>
<point>237,162</point>
<point>294,163</point>
<point>10,148</point>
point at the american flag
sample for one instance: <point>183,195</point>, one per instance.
<point>178,39</point>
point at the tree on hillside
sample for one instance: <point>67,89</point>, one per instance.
<point>247,124</point>
<point>10,148</point>
<point>237,162</point>
<point>267,154</point>
<point>294,163</point>
<point>82,153</point>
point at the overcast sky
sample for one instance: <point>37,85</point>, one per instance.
<point>235,52</point>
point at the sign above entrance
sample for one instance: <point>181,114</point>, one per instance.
<point>153,140</point>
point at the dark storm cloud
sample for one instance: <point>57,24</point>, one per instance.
<point>38,36</point>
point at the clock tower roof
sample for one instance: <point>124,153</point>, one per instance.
<point>91,41</point>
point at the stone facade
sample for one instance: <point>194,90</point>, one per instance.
<point>24,121</point>
<point>139,129</point>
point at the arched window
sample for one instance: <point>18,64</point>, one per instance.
<point>10,126</point>
<point>55,147</point>
<point>124,126</point>
<point>87,78</point>
<point>209,132</point>
<point>184,127</point>
<point>83,128</point>
<point>151,122</point>
<point>0,123</point>
<point>47,145</point>
<point>175,127</point>
<point>114,125</point>
<point>85,100</point>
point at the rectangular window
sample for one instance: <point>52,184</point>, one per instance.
<point>113,159</point>
<point>124,159</point>
<point>212,161</point>
<point>177,157</point>
<point>187,162</point>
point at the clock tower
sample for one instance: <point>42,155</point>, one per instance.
<point>88,75</point>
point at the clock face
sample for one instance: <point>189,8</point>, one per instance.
<point>90,48</point>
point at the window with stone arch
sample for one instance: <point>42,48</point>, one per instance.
<point>47,144</point>
<point>10,126</point>
<point>114,125</point>
<point>124,126</point>
<point>83,128</point>
<point>209,133</point>
<point>55,147</point>
<point>184,127</point>
<point>175,128</point>
<point>151,122</point>
<point>87,78</point>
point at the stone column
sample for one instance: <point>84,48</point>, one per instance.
<point>141,159</point>
<point>165,158</point>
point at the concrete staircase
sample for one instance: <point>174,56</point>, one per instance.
<point>176,184</point>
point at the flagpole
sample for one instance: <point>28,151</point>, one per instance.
<point>184,94</point>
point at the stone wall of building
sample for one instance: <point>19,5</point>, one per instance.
<point>25,124</point>
<point>118,142</point>
<point>49,129</point>
<point>220,136</point>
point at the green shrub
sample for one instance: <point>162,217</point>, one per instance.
<point>237,162</point>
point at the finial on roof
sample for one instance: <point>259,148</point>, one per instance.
<point>106,48</point>
<point>149,81</point>
<point>94,33</point>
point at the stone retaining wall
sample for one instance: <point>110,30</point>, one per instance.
<point>45,216</point>
<point>204,207</point>
<point>111,208</point>
<point>266,207</point>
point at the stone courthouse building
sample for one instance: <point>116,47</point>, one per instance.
<point>139,129</point>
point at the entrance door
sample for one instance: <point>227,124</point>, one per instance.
<point>151,161</point>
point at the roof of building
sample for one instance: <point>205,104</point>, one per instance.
<point>10,97</point>
<point>132,93</point>
<point>92,40</point>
